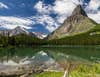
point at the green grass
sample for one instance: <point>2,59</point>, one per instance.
<point>86,71</point>
<point>60,74</point>
<point>80,71</point>
<point>49,74</point>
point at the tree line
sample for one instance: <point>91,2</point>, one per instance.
<point>19,40</point>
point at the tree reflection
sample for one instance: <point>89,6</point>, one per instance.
<point>7,53</point>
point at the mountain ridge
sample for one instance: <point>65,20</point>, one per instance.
<point>21,30</point>
<point>77,23</point>
<point>13,32</point>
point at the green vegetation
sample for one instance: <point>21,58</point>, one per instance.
<point>86,71</point>
<point>19,40</point>
<point>88,38</point>
<point>80,71</point>
<point>49,74</point>
<point>92,37</point>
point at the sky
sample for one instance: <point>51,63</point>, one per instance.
<point>43,15</point>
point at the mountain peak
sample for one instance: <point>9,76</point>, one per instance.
<point>77,23</point>
<point>19,27</point>
<point>79,11</point>
<point>40,35</point>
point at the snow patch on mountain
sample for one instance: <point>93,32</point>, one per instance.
<point>40,35</point>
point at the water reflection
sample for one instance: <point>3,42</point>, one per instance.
<point>74,53</point>
<point>47,58</point>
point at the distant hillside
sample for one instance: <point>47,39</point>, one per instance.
<point>91,37</point>
<point>18,37</point>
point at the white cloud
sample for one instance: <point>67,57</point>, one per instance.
<point>63,9</point>
<point>93,11</point>
<point>2,5</point>
<point>12,22</point>
<point>39,6</point>
<point>42,8</point>
<point>95,17</point>
<point>60,6</point>
<point>47,21</point>
<point>60,19</point>
<point>93,5</point>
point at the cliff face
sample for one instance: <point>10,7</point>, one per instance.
<point>77,23</point>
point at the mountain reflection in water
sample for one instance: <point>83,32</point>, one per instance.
<point>25,54</point>
<point>45,58</point>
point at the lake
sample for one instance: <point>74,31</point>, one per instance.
<point>48,58</point>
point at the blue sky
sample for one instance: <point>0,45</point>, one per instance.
<point>42,15</point>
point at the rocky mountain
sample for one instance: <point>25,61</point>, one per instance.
<point>20,30</point>
<point>40,35</point>
<point>77,23</point>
